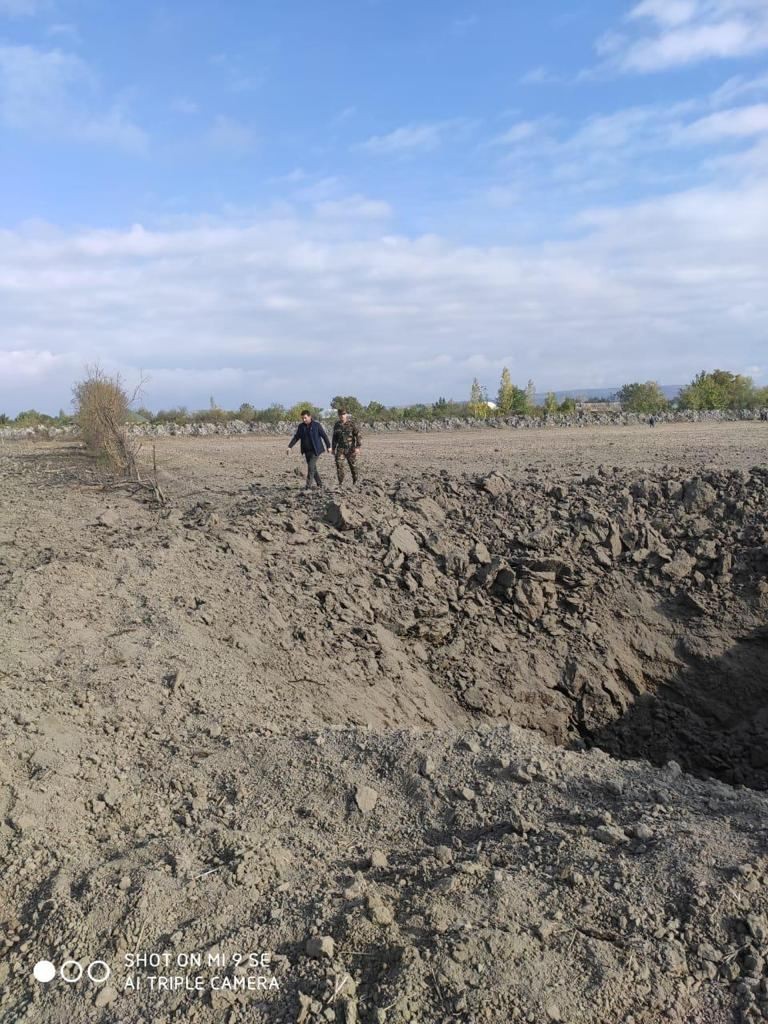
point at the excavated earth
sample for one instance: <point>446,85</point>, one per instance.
<point>484,738</point>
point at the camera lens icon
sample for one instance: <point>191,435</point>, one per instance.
<point>71,971</point>
<point>44,971</point>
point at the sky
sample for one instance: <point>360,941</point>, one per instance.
<point>286,201</point>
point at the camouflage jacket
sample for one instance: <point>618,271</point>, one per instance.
<point>346,436</point>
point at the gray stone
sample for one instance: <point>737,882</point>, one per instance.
<point>681,566</point>
<point>319,946</point>
<point>402,539</point>
<point>341,516</point>
<point>366,798</point>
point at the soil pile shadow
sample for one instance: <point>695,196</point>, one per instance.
<point>712,718</point>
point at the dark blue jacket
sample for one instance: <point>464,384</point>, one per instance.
<point>312,435</point>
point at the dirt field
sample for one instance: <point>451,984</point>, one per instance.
<point>374,734</point>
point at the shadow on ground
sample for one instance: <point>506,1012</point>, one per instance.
<point>712,718</point>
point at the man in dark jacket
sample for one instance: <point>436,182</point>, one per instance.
<point>314,441</point>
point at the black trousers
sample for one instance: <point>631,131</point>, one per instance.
<point>312,474</point>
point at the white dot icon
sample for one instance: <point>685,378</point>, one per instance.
<point>44,971</point>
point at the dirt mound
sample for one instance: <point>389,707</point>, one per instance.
<point>347,731</point>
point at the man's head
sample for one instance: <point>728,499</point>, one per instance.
<point>343,414</point>
<point>306,416</point>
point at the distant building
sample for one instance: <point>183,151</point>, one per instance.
<point>491,405</point>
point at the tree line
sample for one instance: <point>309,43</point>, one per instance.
<point>716,389</point>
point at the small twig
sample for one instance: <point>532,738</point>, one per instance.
<point>210,871</point>
<point>437,986</point>
<point>338,989</point>
<point>141,936</point>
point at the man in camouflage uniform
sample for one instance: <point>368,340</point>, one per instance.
<point>345,444</point>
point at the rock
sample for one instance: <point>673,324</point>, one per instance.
<point>305,1007</point>
<point>494,484</point>
<point>378,911</point>
<point>105,996</point>
<point>341,516</point>
<point>430,510</point>
<point>758,927</point>
<point>480,554</point>
<point>614,543</point>
<point>320,946</point>
<point>546,930</point>
<point>611,835</point>
<point>378,859</point>
<point>475,698</point>
<point>110,519</point>
<point>402,539</point>
<point>681,566</point>
<point>366,798</point>
<point>698,494</point>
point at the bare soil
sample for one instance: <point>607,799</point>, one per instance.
<point>395,717</point>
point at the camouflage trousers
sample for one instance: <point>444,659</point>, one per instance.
<point>351,456</point>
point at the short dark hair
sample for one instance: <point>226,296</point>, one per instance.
<point>305,412</point>
<point>342,411</point>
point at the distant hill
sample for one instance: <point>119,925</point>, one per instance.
<point>671,391</point>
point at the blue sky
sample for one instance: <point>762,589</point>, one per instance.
<point>278,202</point>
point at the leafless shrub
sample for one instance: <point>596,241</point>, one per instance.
<point>101,406</point>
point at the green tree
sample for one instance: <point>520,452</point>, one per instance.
<point>276,413</point>
<point>719,389</point>
<point>550,403</point>
<point>180,415</point>
<point>294,413</point>
<point>32,418</point>
<point>478,401</point>
<point>417,412</point>
<point>530,396</point>
<point>348,402</point>
<point>568,406</point>
<point>510,399</point>
<point>638,397</point>
<point>375,411</point>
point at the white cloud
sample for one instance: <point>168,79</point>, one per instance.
<point>238,76</point>
<point>22,8</point>
<point>738,122</point>
<point>668,13</point>
<point>231,135</point>
<point>65,31</point>
<point>739,86</point>
<point>184,105</point>
<point>520,132</point>
<point>419,138</point>
<point>540,76</point>
<point>354,208</point>
<point>655,290</point>
<point>676,33</point>
<point>51,94</point>
<point>460,26</point>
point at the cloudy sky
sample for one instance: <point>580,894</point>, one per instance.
<point>288,200</point>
